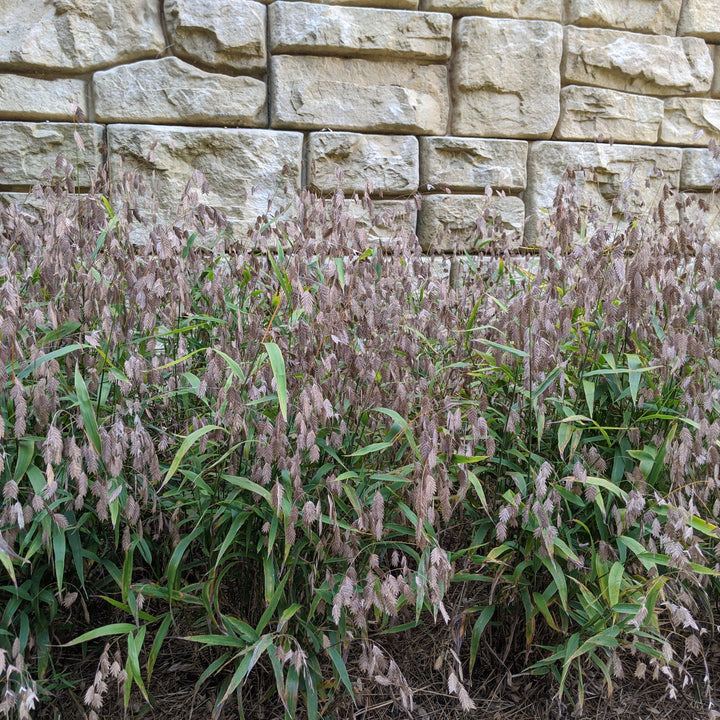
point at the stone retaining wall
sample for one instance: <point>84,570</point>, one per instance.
<point>408,95</point>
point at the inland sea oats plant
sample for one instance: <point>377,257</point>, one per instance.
<point>327,480</point>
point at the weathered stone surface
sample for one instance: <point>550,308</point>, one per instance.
<point>700,18</point>
<point>588,112</point>
<point>77,34</point>
<point>390,4</point>
<point>311,28</point>
<point>715,90</point>
<point>446,221</point>
<point>351,94</point>
<point>243,167</point>
<point>648,16</point>
<point>228,35</point>
<point>705,221</point>
<point>169,90</point>
<point>388,162</point>
<point>647,64</point>
<point>700,170</point>
<point>506,81</point>
<point>604,172</point>
<point>471,164</point>
<point>28,148</point>
<point>518,9</point>
<point>388,220</point>
<point>690,121</point>
<point>29,98</point>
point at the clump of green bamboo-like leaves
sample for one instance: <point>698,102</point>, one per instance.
<point>288,458</point>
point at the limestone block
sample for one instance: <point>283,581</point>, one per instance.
<point>388,162</point>
<point>169,90</point>
<point>588,112</point>
<point>244,168</point>
<point>703,220</point>
<point>29,148</point>
<point>700,18</point>
<point>388,220</point>
<point>648,16</point>
<point>311,28</point>
<point>228,35</point>
<point>646,64</point>
<point>77,34</point>
<point>352,94</point>
<point>392,4</point>
<point>715,90</point>
<point>29,98</point>
<point>700,170</point>
<point>448,221</point>
<point>472,164</point>
<point>690,121</point>
<point>506,81</point>
<point>636,173</point>
<point>518,9</point>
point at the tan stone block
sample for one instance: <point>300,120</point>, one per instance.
<point>30,98</point>
<point>446,222</point>
<point>506,79</point>
<point>603,173</point>
<point>227,35</point>
<point>390,4</point>
<point>587,113</point>
<point>311,28</point>
<point>463,164</point>
<point>388,162</point>
<point>244,168</point>
<point>169,90</point>
<point>700,170</point>
<point>715,89</point>
<point>633,62</point>
<point>387,221</point>
<point>77,34</point>
<point>700,216</point>
<point>29,148</point>
<point>517,9</point>
<point>353,94</point>
<point>690,121</point>
<point>700,18</point>
<point>648,16</point>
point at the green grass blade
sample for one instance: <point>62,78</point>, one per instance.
<point>104,631</point>
<point>277,363</point>
<point>187,443</point>
<point>87,412</point>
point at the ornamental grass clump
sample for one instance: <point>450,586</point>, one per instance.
<point>292,467</point>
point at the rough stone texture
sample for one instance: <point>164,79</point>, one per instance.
<point>518,9</point>
<point>389,4</point>
<point>77,34</point>
<point>700,18</point>
<point>169,90</point>
<point>29,98</point>
<point>389,219</point>
<point>588,112</point>
<point>506,81</point>
<point>690,121</point>
<point>389,162</point>
<point>715,90</point>
<point>648,16</point>
<point>471,164</point>
<point>351,94</point>
<point>700,170</point>
<point>28,148</point>
<point>228,35</point>
<point>705,222</point>
<point>647,64</point>
<point>243,167</point>
<point>609,171</point>
<point>304,27</point>
<point>449,220</point>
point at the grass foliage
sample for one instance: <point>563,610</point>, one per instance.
<point>288,459</point>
